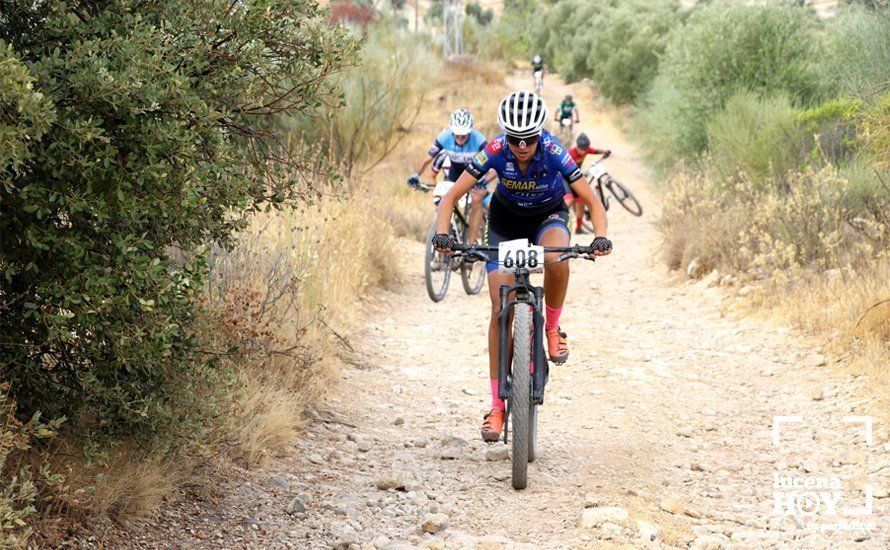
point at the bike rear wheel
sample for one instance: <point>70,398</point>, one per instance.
<point>437,268</point>
<point>625,197</point>
<point>520,398</point>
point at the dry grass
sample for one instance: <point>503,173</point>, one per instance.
<point>287,294</point>
<point>291,290</point>
<point>818,263</point>
<point>849,310</point>
<point>122,485</point>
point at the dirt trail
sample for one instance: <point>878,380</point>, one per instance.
<point>663,414</point>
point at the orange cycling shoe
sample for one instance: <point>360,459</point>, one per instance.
<point>492,424</point>
<point>557,346</point>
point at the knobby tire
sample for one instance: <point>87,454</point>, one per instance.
<point>520,398</point>
<point>435,289</point>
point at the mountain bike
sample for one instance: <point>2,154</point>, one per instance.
<point>597,173</point>
<point>566,131</point>
<point>437,265</point>
<point>522,384</point>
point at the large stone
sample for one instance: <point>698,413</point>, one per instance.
<point>594,517</point>
<point>695,269</point>
<point>391,480</point>
<point>450,453</point>
<point>362,444</point>
<point>592,500</point>
<point>649,532</point>
<point>433,523</point>
<point>671,506</point>
<point>497,452</point>
<point>709,542</point>
<point>494,542</point>
<point>296,506</point>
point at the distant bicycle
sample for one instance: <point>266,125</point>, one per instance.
<point>437,265</point>
<point>566,131</point>
<point>539,82</point>
<point>597,173</point>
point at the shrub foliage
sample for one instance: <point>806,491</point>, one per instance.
<point>132,134</point>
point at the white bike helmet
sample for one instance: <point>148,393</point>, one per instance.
<point>461,122</point>
<point>522,114</point>
<point>536,59</point>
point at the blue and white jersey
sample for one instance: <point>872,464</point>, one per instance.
<point>541,186</point>
<point>459,155</point>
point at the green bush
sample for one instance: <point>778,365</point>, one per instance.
<point>133,134</point>
<point>759,137</point>
<point>561,35</point>
<point>720,52</point>
<point>857,59</point>
<point>615,43</point>
<point>627,41</point>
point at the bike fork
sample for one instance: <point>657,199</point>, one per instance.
<point>539,361</point>
<point>504,354</point>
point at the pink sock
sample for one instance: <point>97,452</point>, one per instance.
<point>551,320</point>
<point>496,402</point>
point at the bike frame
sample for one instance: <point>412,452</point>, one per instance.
<point>525,293</point>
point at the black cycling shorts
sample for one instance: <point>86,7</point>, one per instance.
<point>505,224</point>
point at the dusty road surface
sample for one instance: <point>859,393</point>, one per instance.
<point>658,432</point>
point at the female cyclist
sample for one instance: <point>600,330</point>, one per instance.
<point>528,203</point>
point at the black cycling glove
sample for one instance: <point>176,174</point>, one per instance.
<point>601,244</point>
<point>413,180</point>
<point>443,240</point>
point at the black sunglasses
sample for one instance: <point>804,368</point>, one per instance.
<point>518,142</point>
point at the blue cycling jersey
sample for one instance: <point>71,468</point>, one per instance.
<point>459,155</point>
<point>541,186</point>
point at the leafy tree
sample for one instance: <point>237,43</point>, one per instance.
<point>483,16</point>
<point>132,133</point>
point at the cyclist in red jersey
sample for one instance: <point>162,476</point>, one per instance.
<point>578,153</point>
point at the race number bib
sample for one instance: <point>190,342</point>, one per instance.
<point>596,172</point>
<point>442,188</point>
<point>520,254</point>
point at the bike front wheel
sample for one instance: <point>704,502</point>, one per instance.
<point>472,274</point>
<point>520,394</point>
<point>437,268</point>
<point>532,431</point>
<point>625,197</point>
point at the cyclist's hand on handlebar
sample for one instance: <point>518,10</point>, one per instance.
<point>607,153</point>
<point>601,246</point>
<point>414,180</point>
<point>444,242</point>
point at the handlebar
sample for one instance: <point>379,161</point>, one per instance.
<point>474,252</point>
